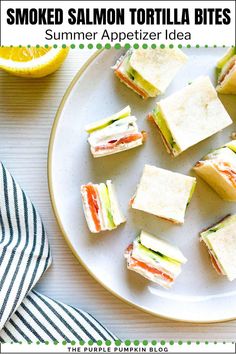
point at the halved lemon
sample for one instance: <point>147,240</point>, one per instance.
<point>33,61</point>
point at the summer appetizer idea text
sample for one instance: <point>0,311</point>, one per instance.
<point>145,24</point>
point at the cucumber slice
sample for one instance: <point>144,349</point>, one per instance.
<point>155,260</point>
<point>161,123</point>
<point>161,247</point>
<point>104,195</point>
<point>232,145</point>
<point>117,215</point>
<point>107,121</point>
<point>156,256</point>
<point>191,192</point>
<point>227,221</point>
<point>138,79</point>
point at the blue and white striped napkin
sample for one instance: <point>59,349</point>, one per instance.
<point>25,255</point>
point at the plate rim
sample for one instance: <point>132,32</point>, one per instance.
<point>76,78</point>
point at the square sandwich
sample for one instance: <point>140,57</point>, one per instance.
<point>101,208</point>
<point>220,240</point>
<point>155,259</point>
<point>218,169</point>
<point>114,134</point>
<point>226,73</point>
<point>164,193</point>
<point>190,115</point>
<point>149,72</point>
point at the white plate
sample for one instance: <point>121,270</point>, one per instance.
<point>199,294</point>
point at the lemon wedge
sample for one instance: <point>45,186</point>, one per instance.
<point>31,62</point>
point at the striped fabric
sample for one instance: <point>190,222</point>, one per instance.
<point>24,249</point>
<point>42,319</point>
<point>26,315</point>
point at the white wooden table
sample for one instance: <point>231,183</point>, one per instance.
<point>27,110</point>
